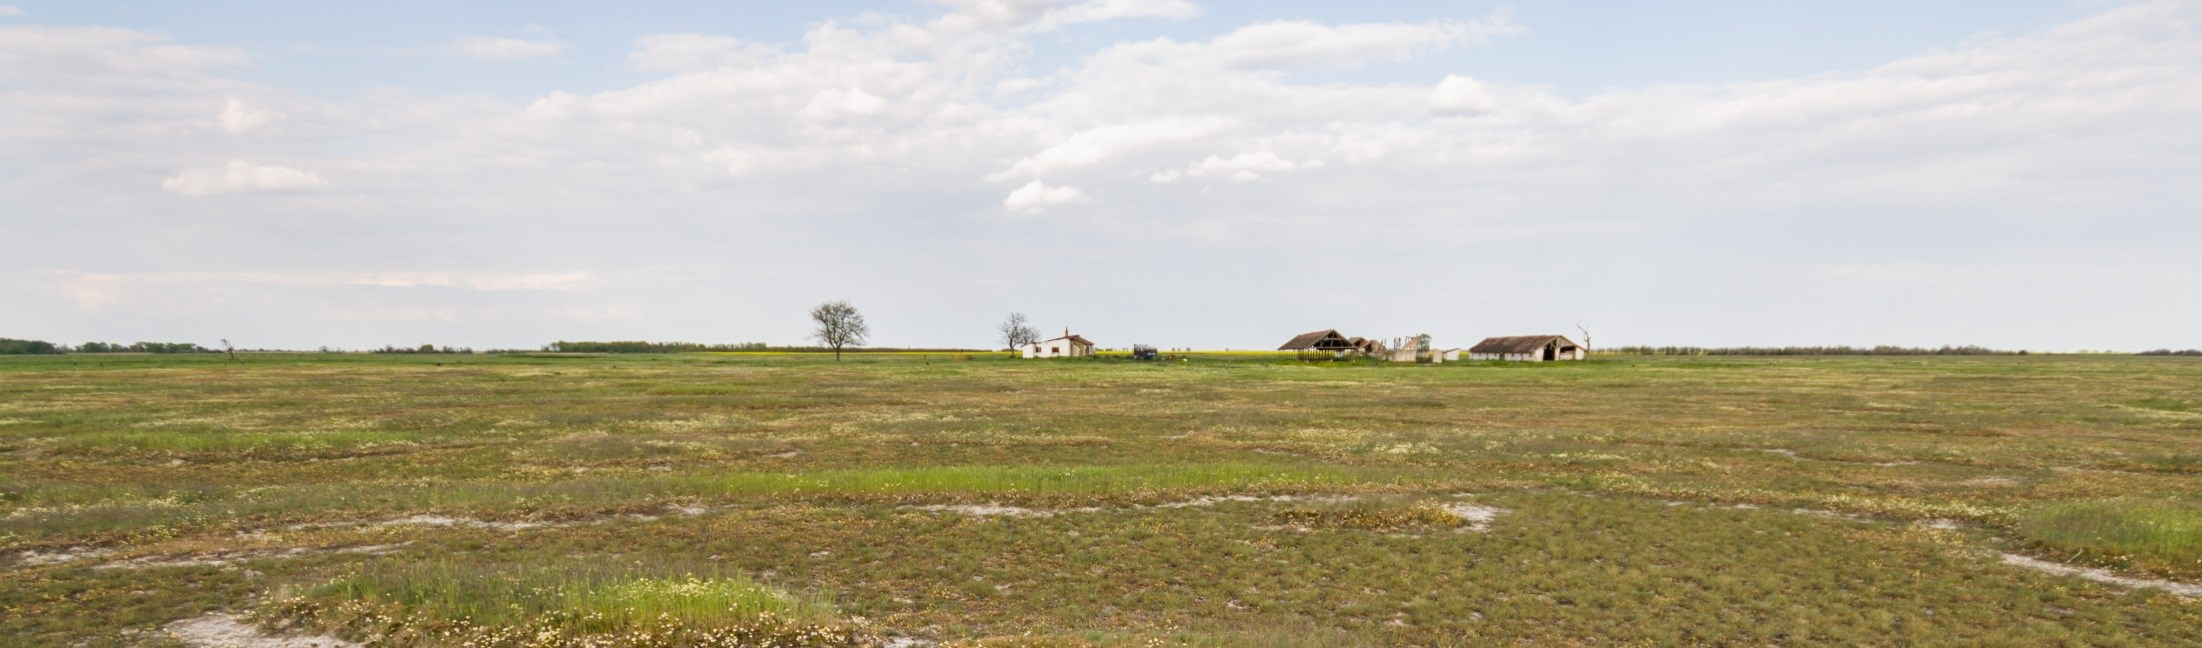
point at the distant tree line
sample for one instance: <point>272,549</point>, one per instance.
<point>11,346</point>
<point>638,346</point>
<point>425,348</point>
<point>1883,350</point>
<point>2169,352</point>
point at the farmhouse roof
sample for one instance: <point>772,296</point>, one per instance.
<point>1310,339</point>
<point>1068,336</point>
<point>1517,344</point>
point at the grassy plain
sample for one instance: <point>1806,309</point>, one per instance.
<point>1228,500</point>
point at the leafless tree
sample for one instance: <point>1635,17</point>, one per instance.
<point>1016,332</point>
<point>232,351</point>
<point>839,325</point>
<point>1586,337</point>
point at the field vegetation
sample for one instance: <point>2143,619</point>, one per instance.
<point>1242,499</point>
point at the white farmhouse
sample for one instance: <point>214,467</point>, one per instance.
<point>1068,346</point>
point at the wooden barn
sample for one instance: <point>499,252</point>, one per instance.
<point>1068,346</point>
<point>1527,348</point>
<point>1325,341</point>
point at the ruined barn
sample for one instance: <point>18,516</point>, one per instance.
<point>1527,348</point>
<point>1324,341</point>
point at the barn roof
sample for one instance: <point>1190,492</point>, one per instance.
<point>1518,344</point>
<point>1310,340</point>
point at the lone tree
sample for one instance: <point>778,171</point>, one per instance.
<point>1586,337</point>
<point>1016,333</point>
<point>839,325</point>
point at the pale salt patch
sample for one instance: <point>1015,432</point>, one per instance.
<point>228,559</point>
<point>2103,576</point>
<point>1218,499</point>
<point>1782,451</point>
<point>442,521</point>
<point>985,510</point>
<point>1211,501</point>
<point>72,554</point>
<point>373,550</point>
<point>225,631</point>
<point>148,563</point>
<point>1943,524</point>
<point>1477,516</point>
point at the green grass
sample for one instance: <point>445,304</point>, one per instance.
<point>1052,480</point>
<point>1230,499</point>
<point>2169,404</point>
<point>2153,535</point>
<point>581,597</point>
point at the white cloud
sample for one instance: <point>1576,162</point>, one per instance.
<point>842,103</point>
<point>242,177</point>
<point>101,57</point>
<point>239,118</point>
<point>536,281</point>
<point>1308,44</point>
<point>693,51</point>
<point>999,12</point>
<point>1461,95</point>
<point>1035,197</point>
<point>1246,167</point>
<point>12,11</point>
<point>1096,145</point>
<point>1105,10</point>
<point>505,49</point>
<point>404,279</point>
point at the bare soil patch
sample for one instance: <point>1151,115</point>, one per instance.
<point>2188,590</point>
<point>226,631</point>
<point>59,556</point>
<point>1477,516</point>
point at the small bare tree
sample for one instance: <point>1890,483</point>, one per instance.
<point>1016,332</point>
<point>232,351</point>
<point>839,325</point>
<point>1586,337</point>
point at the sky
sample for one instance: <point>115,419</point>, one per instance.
<point>2017,174</point>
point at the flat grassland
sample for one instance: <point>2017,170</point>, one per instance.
<point>1229,500</point>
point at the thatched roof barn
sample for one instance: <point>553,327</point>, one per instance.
<point>1527,348</point>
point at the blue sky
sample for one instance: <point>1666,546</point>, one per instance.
<point>336,49</point>
<point>1173,172</point>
